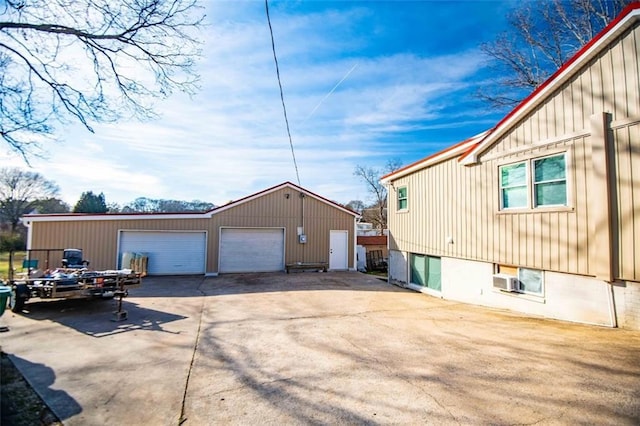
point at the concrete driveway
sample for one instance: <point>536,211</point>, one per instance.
<point>317,348</point>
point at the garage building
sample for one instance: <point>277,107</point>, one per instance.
<point>285,224</point>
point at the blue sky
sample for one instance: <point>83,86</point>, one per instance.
<point>364,82</point>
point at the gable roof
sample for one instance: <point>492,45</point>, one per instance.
<point>64,217</point>
<point>471,148</point>
<point>290,185</point>
<point>627,18</point>
<point>438,157</point>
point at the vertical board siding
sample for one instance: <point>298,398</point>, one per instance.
<point>627,163</point>
<point>99,238</point>
<point>466,208</point>
<point>276,210</point>
<point>448,199</point>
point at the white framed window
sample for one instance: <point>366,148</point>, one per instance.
<point>513,186</point>
<point>550,181</point>
<point>403,200</point>
<point>530,281</point>
<point>534,183</point>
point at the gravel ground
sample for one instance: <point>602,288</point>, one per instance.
<point>20,405</point>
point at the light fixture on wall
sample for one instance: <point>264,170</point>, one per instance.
<point>286,195</point>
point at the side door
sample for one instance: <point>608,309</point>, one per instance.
<point>338,250</point>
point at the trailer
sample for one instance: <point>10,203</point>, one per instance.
<point>65,283</point>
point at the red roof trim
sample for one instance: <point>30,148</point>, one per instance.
<point>282,185</point>
<point>203,214</point>
<point>434,155</point>
<point>627,10</point>
<point>113,214</point>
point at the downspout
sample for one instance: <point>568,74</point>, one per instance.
<point>302,197</point>
<point>602,219</point>
<point>304,246</point>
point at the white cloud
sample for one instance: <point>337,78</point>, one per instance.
<point>229,140</point>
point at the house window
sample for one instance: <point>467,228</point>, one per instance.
<point>550,181</point>
<point>513,185</point>
<point>530,281</point>
<point>402,198</point>
<point>426,271</point>
<point>545,185</point>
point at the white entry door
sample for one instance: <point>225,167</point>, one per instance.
<point>338,250</point>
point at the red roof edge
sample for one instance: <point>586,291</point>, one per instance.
<point>112,214</point>
<point>240,200</point>
<point>436,154</point>
<point>627,10</point>
<point>333,203</point>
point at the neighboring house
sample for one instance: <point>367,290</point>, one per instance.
<point>372,252</point>
<point>259,233</point>
<point>365,228</point>
<point>374,243</point>
<point>550,196</point>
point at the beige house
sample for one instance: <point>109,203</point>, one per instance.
<point>540,214</point>
<point>263,232</point>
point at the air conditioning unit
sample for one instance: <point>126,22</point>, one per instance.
<point>506,282</point>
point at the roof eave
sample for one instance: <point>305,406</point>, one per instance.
<point>206,215</point>
<point>572,67</point>
<point>438,157</point>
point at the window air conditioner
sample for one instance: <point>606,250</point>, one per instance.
<point>506,282</point>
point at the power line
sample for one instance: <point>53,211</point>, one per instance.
<point>284,108</point>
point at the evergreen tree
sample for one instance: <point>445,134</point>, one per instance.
<point>91,203</point>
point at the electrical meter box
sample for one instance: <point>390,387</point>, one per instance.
<point>303,238</point>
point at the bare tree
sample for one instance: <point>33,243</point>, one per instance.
<point>20,191</point>
<point>376,213</point>
<point>542,36</point>
<point>355,205</point>
<point>90,61</point>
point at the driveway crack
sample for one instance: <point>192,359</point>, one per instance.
<point>182,418</point>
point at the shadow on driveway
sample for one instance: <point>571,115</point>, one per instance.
<point>94,317</point>
<point>42,378</point>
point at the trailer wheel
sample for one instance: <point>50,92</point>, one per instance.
<point>17,298</point>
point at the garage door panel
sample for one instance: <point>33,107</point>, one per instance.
<point>169,253</point>
<point>251,250</point>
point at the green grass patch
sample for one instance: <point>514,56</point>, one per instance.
<point>17,263</point>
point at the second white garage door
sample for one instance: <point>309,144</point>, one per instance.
<point>251,250</point>
<point>170,253</point>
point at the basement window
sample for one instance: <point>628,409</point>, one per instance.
<point>530,281</point>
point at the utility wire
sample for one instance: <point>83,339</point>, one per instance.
<point>284,108</point>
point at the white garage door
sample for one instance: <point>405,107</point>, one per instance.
<point>251,250</point>
<point>169,253</point>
